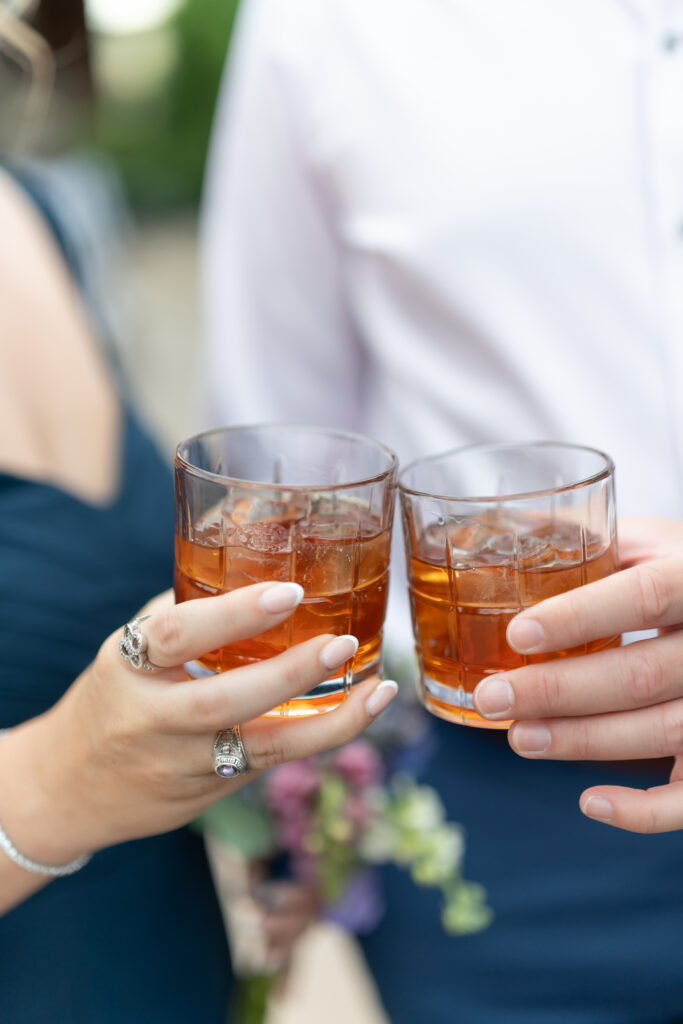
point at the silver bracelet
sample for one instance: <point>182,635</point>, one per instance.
<point>53,870</point>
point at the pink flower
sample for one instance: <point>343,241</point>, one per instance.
<point>292,831</point>
<point>359,763</point>
<point>291,787</point>
<point>357,810</point>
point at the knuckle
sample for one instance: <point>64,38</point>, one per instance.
<point>293,674</point>
<point>547,688</point>
<point>574,614</point>
<point>154,712</point>
<point>652,593</point>
<point>107,658</point>
<point>210,707</point>
<point>170,635</point>
<point>118,739</point>
<point>644,676</point>
<point>582,743</point>
<point>266,751</point>
<point>157,773</point>
<point>671,728</point>
<point>646,821</point>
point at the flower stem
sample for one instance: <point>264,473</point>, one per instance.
<point>251,999</point>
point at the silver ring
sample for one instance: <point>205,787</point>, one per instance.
<point>133,647</point>
<point>229,755</point>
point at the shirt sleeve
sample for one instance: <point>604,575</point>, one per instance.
<point>279,343</point>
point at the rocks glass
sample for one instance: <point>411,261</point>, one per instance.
<point>490,530</point>
<point>299,503</point>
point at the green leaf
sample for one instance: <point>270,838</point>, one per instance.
<point>465,911</point>
<point>241,823</point>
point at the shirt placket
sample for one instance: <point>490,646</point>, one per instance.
<point>665,100</point>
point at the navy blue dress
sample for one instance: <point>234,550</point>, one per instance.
<point>136,936</point>
<point>589,919</point>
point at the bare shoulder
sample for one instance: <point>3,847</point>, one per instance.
<point>53,382</point>
<point>34,282</point>
<point>24,235</point>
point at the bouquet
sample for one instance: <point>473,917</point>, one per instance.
<point>336,818</point>
<point>333,820</point>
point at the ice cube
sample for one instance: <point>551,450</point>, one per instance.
<point>240,509</point>
<point>534,550</point>
<point>326,548</point>
<point>207,529</point>
<point>433,544</point>
<point>266,537</point>
<point>329,527</point>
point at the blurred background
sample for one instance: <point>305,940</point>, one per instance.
<point>114,99</point>
<point>156,67</point>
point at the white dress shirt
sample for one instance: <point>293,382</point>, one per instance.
<point>446,221</point>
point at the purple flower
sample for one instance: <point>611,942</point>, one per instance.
<point>304,867</point>
<point>361,907</point>
<point>359,763</point>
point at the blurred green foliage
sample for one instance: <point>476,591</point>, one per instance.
<point>159,142</point>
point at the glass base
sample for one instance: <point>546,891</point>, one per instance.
<point>453,704</point>
<point>325,697</point>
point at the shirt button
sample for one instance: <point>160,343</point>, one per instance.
<point>671,42</point>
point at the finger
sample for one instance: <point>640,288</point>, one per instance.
<point>646,596</point>
<point>659,809</point>
<point>183,632</point>
<point>621,736</point>
<point>646,539</point>
<point>230,698</point>
<point>271,741</point>
<point>639,539</point>
<point>638,675</point>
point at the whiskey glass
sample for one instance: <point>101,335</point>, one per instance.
<point>288,502</point>
<point>489,530</point>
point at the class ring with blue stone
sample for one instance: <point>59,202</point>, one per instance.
<point>229,755</point>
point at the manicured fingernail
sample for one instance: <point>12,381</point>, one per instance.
<point>525,635</point>
<point>599,808</point>
<point>281,598</point>
<point>381,698</point>
<point>493,698</point>
<point>529,738</point>
<point>339,650</point>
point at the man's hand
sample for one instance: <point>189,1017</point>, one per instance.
<point>616,704</point>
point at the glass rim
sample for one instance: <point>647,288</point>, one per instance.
<point>602,474</point>
<point>221,478</point>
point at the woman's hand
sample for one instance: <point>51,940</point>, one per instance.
<point>618,704</point>
<point>126,753</point>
